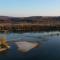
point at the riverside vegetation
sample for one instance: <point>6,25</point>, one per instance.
<point>34,23</point>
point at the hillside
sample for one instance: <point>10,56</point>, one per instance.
<point>34,23</point>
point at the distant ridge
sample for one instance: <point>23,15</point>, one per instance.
<point>9,19</point>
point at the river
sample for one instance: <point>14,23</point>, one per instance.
<point>49,48</point>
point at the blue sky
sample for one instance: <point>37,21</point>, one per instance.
<point>23,8</point>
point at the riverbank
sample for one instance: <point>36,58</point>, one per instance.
<point>28,28</point>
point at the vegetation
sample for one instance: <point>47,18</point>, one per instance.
<point>35,23</point>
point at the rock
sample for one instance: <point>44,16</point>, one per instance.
<point>3,49</point>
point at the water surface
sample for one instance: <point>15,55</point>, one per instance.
<point>49,48</point>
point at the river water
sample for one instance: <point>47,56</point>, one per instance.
<point>49,48</point>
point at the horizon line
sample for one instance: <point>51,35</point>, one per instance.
<point>29,16</point>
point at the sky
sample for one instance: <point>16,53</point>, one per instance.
<point>24,8</point>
